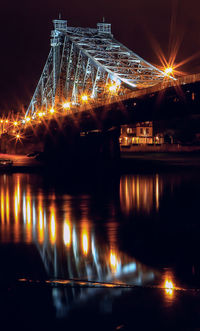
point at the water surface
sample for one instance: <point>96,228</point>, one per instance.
<point>101,252</point>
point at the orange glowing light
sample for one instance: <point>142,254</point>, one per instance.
<point>169,287</point>
<point>1,121</point>
<point>157,192</point>
<point>2,206</point>
<point>66,105</point>
<point>113,261</point>
<point>40,114</point>
<point>17,210</point>
<point>112,88</point>
<point>27,119</point>
<point>169,71</point>
<point>28,216</point>
<point>52,226</point>
<point>41,225</point>
<point>7,206</point>
<point>67,233</point>
<point>15,123</point>
<point>17,200</point>
<point>6,121</point>
<point>85,241</point>
<point>28,208</point>
<point>52,110</point>
<point>84,98</point>
<point>41,219</point>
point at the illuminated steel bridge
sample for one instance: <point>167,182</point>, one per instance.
<point>87,65</point>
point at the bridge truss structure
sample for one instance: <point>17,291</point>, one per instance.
<point>89,65</point>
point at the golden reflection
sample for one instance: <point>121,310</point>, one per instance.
<point>157,192</point>
<point>17,200</point>
<point>17,208</point>
<point>2,206</point>
<point>28,206</point>
<point>85,241</point>
<point>7,206</point>
<point>139,193</point>
<point>169,286</point>
<point>41,220</point>
<point>113,261</point>
<point>52,225</point>
<point>67,233</point>
<point>28,216</point>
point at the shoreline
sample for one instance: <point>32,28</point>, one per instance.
<point>128,161</point>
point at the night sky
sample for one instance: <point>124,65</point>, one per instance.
<point>139,24</point>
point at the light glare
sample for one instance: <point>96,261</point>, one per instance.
<point>66,105</point>
<point>168,71</point>
<point>84,98</point>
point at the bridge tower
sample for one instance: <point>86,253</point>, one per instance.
<point>88,65</point>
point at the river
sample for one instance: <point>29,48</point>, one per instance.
<point>101,254</point>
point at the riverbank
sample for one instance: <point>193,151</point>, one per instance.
<point>157,148</point>
<point>143,160</point>
<point>129,161</point>
<point>21,162</point>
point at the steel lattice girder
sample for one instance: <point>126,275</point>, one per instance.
<point>83,61</point>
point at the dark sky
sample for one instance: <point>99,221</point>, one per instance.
<point>139,24</point>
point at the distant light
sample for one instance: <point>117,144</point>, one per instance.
<point>27,119</point>
<point>40,114</point>
<point>6,121</point>
<point>15,123</point>
<point>66,105</point>
<point>52,110</point>
<point>17,136</point>
<point>84,98</point>
<point>1,121</point>
<point>169,71</point>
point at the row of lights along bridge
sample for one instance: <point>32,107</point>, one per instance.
<point>13,127</point>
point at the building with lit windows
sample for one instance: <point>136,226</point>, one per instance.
<point>140,134</point>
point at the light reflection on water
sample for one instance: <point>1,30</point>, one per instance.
<point>169,285</point>
<point>29,215</point>
<point>139,193</point>
<point>66,237</point>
